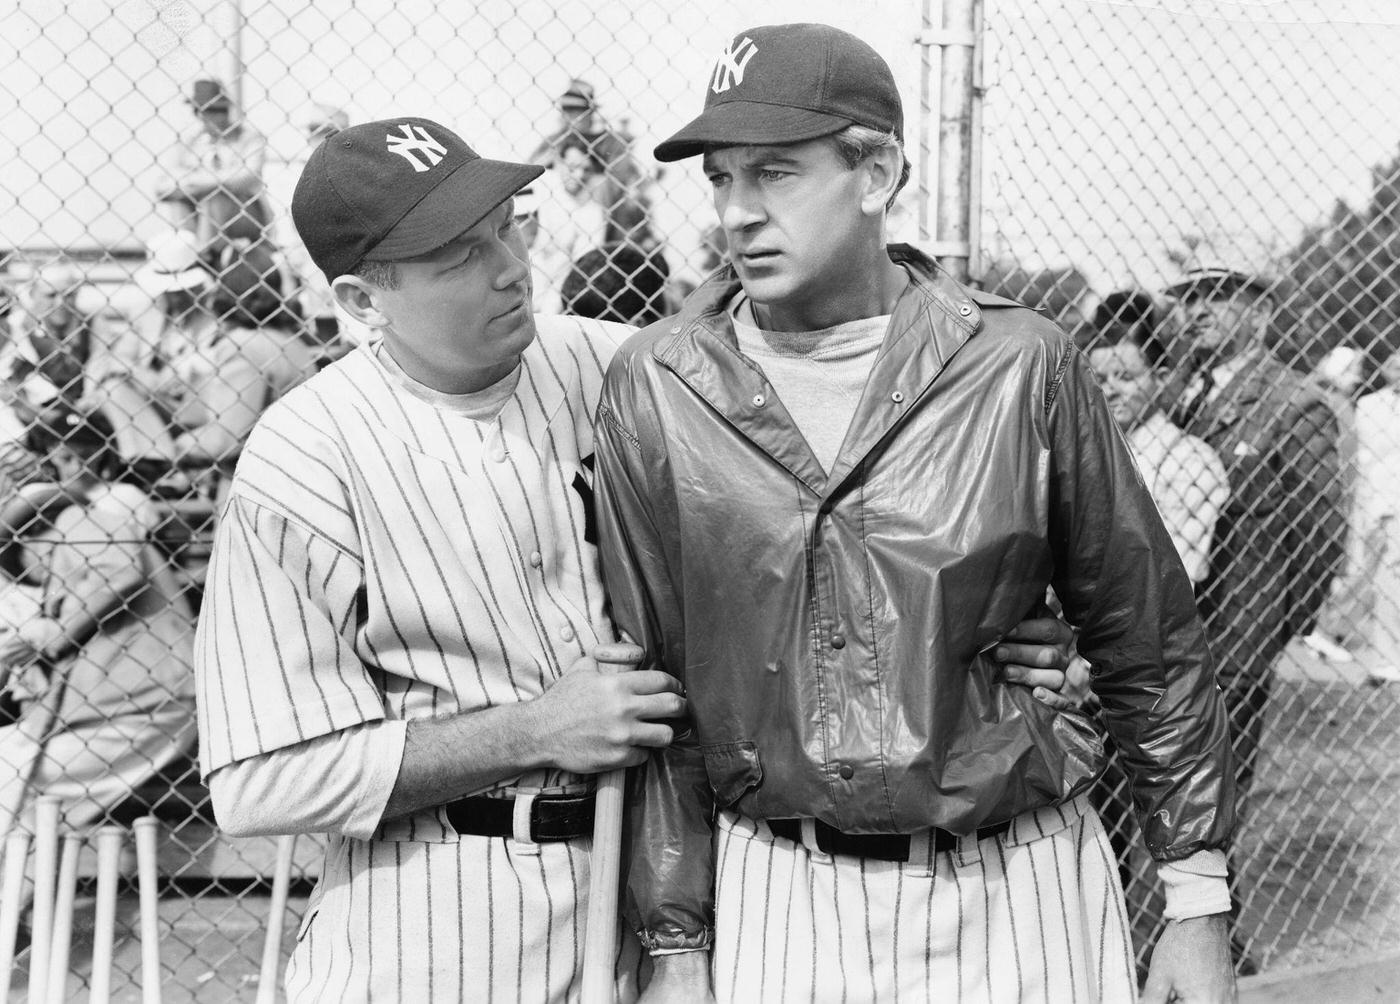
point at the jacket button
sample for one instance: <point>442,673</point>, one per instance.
<point>897,397</point>
<point>759,400</point>
<point>838,640</point>
<point>965,309</point>
<point>847,772</point>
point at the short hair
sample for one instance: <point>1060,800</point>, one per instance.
<point>857,143</point>
<point>617,282</point>
<point>384,274</point>
<point>1129,317</point>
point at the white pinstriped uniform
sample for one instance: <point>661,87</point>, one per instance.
<point>1033,915</point>
<point>386,557</point>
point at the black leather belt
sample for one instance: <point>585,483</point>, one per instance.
<point>552,817</point>
<point>880,846</point>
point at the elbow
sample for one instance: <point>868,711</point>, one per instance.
<point>231,815</point>
<point>238,815</point>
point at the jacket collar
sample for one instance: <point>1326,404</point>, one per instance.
<point>931,321</point>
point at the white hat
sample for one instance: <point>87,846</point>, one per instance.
<point>173,264</point>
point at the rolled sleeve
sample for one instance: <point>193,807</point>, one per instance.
<point>275,662</point>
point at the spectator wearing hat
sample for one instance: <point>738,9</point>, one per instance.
<point>1278,542</point>
<point>103,662</point>
<point>180,283</point>
<point>622,186</point>
<point>210,182</point>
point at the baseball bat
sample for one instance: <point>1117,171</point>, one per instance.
<point>16,854</point>
<point>145,830</point>
<point>104,922</point>
<point>600,936</point>
<point>63,919</point>
<point>46,812</point>
<point>277,910</point>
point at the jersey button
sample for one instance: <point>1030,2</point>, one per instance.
<point>535,559</point>
<point>847,772</point>
<point>838,640</point>
<point>499,456</point>
<point>567,633</point>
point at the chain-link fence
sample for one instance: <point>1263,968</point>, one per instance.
<point>1127,145</point>
<point>157,301</point>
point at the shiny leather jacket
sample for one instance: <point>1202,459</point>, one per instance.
<point>833,631</point>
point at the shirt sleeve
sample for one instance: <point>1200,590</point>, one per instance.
<point>275,660</point>
<point>1193,491</point>
<point>338,783</point>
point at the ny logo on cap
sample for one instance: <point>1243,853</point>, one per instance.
<point>409,145</point>
<point>729,71</point>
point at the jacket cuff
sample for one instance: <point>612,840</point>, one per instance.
<point>676,942</point>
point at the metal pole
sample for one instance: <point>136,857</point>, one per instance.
<point>234,9</point>
<point>926,186</point>
<point>957,38</point>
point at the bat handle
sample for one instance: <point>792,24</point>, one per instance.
<point>605,871</point>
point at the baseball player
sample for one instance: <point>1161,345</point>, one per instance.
<point>395,637</point>
<point>827,486</point>
<point>394,643</point>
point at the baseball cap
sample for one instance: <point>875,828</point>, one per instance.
<point>789,83</point>
<point>1219,280</point>
<point>173,264</point>
<point>208,94</point>
<point>394,189</point>
<point>579,94</point>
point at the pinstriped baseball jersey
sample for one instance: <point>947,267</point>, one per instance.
<point>385,556</point>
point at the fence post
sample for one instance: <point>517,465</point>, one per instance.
<point>957,40</point>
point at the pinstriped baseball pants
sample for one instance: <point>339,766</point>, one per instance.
<point>486,919</point>
<point>1034,915</point>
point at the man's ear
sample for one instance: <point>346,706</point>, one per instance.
<point>359,299</point>
<point>882,170</point>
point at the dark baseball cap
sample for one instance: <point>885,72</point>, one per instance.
<point>396,189</point>
<point>789,83</point>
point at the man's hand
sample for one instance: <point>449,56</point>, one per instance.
<point>1191,963</point>
<point>592,722</point>
<point>683,978</point>
<point>1035,654</point>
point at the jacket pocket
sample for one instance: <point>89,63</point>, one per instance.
<point>734,770</point>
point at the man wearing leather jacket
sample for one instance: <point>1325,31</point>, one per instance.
<point>828,488</point>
